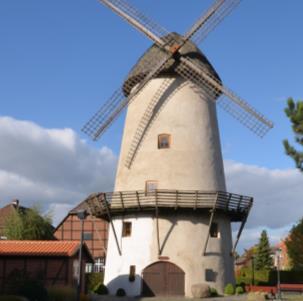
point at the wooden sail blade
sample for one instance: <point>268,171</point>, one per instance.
<point>146,120</point>
<point>104,117</point>
<point>137,19</point>
<point>96,125</point>
<point>230,102</point>
<point>209,20</point>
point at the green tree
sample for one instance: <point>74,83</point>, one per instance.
<point>295,246</point>
<point>294,112</point>
<point>263,259</point>
<point>28,224</point>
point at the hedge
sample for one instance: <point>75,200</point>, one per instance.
<point>266,277</point>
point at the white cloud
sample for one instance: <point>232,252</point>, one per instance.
<point>52,166</point>
<point>57,168</point>
<point>277,193</point>
<point>277,199</point>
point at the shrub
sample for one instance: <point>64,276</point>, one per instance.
<point>213,292</point>
<point>229,289</point>
<point>100,289</point>
<point>93,279</point>
<point>120,292</point>
<point>239,290</point>
<point>59,293</point>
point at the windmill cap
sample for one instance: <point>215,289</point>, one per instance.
<point>154,55</point>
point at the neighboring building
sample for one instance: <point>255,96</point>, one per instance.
<point>245,260</point>
<point>6,211</point>
<point>284,259</point>
<point>53,262</point>
<point>95,232</point>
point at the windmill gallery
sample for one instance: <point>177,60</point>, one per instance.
<point>170,213</point>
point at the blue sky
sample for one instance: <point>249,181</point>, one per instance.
<point>59,60</point>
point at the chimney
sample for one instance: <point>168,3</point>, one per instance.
<point>15,203</point>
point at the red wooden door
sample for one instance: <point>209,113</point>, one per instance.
<point>163,279</point>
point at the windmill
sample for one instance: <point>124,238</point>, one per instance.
<point>170,213</point>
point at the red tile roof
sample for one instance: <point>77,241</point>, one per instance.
<point>38,248</point>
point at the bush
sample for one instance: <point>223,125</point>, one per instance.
<point>239,290</point>
<point>120,292</point>
<point>92,280</point>
<point>229,289</point>
<point>261,277</point>
<point>100,289</point>
<point>213,292</point>
<point>59,293</point>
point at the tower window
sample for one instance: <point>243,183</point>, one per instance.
<point>126,229</point>
<point>164,141</point>
<point>150,186</point>
<point>214,230</point>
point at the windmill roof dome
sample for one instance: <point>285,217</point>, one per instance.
<point>154,54</point>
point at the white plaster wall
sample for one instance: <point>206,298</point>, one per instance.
<point>182,238</point>
<point>136,250</point>
<point>185,235</point>
<point>194,159</point>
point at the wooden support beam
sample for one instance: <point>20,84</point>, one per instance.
<point>112,224</point>
<point>228,200</point>
<point>240,230</point>
<point>138,200</point>
<point>209,225</point>
<point>95,229</point>
<point>121,199</point>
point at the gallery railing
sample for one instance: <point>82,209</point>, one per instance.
<point>237,206</point>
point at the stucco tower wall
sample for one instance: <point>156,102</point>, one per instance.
<point>194,159</point>
<point>182,238</point>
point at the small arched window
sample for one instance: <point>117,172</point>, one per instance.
<point>164,141</point>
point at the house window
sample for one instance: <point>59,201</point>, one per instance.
<point>99,265</point>
<point>214,230</point>
<point>132,273</point>
<point>87,236</point>
<point>150,186</point>
<point>88,268</point>
<point>164,141</point>
<point>126,229</point>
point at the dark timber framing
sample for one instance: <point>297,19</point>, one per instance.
<point>112,224</point>
<point>240,231</point>
<point>212,211</point>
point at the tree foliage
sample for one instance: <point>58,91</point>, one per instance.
<point>28,224</point>
<point>295,247</point>
<point>263,259</point>
<point>294,112</point>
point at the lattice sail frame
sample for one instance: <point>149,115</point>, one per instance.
<point>233,104</point>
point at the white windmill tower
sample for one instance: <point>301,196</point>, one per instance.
<point>170,213</point>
